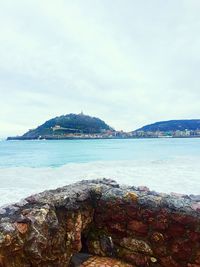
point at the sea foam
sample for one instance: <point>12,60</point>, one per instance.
<point>179,175</point>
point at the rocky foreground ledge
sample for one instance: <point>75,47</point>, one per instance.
<point>100,217</point>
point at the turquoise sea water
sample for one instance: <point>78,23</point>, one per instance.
<point>58,153</point>
<point>164,165</point>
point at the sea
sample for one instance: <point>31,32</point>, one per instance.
<point>162,164</point>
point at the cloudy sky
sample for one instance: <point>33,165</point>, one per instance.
<point>128,62</point>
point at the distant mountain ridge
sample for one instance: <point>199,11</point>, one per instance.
<point>172,125</point>
<point>66,124</point>
<point>80,126</point>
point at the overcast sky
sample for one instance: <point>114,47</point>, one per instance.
<point>127,62</point>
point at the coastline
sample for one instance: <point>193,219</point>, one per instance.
<point>96,138</point>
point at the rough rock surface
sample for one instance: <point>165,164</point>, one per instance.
<point>104,262</point>
<point>100,217</point>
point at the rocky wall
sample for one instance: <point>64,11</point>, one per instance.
<point>45,230</point>
<point>103,218</point>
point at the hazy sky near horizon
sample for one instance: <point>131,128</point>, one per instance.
<point>128,62</point>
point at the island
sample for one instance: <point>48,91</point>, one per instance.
<point>81,126</point>
<point>70,126</point>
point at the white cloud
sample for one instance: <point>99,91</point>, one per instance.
<point>127,62</point>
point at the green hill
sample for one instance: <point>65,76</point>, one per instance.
<point>172,125</point>
<point>66,124</point>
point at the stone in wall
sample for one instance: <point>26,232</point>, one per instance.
<point>146,228</point>
<point>45,229</point>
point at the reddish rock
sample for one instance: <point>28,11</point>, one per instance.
<point>52,226</point>
<point>160,251</point>
<point>113,212</point>
<point>138,227</point>
<point>157,238</point>
<point>197,257</point>
<point>118,229</point>
<point>160,222</point>
<point>169,262</point>
<point>2,263</point>
<point>188,220</point>
<point>104,262</point>
<point>131,211</point>
<point>181,250</point>
<point>22,227</point>
<point>136,245</point>
<point>8,240</point>
<point>87,217</point>
<point>69,224</point>
<point>146,214</point>
<point>194,236</point>
<point>117,215</point>
<point>175,230</point>
<point>134,258</point>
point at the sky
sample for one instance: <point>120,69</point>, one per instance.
<point>127,62</point>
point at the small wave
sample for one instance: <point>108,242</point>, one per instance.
<point>179,175</point>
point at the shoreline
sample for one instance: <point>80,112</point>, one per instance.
<point>96,138</point>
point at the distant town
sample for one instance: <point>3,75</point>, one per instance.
<point>134,134</point>
<point>157,134</point>
<point>112,134</point>
<point>81,126</point>
<point>121,134</point>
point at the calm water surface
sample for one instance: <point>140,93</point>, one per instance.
<point>58,153</point>
<point>167,165</point>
